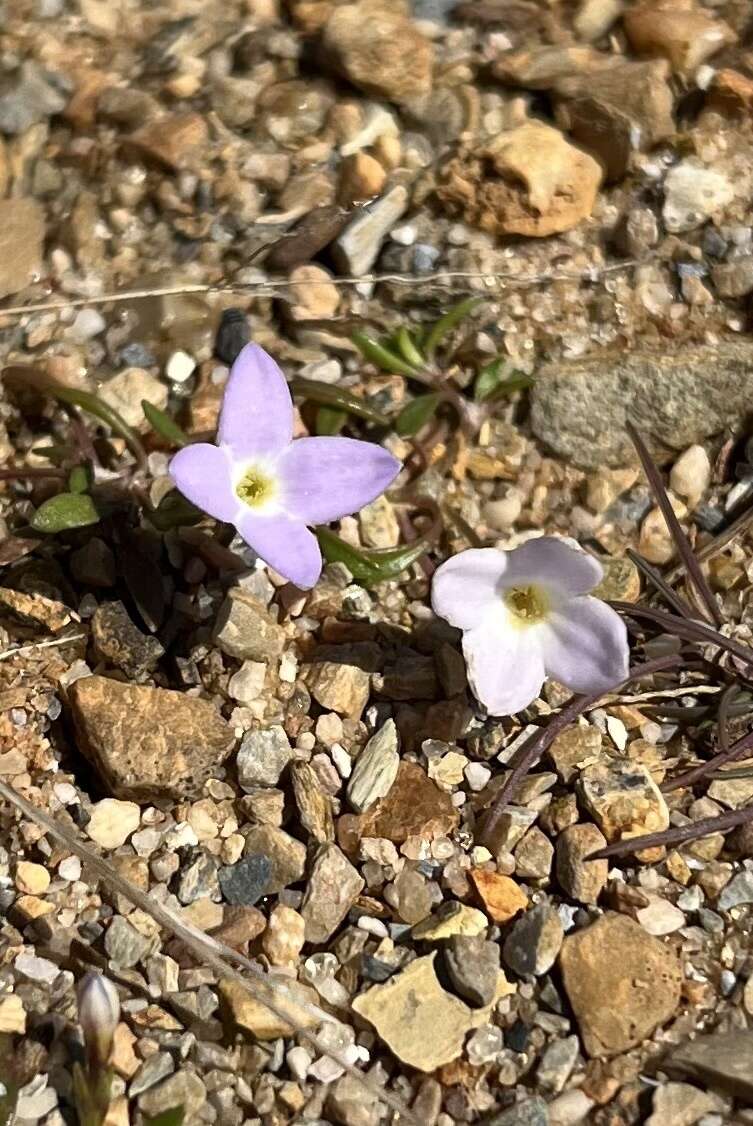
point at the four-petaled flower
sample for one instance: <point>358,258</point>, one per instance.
<point>525,615</point>
<point>269,486</point>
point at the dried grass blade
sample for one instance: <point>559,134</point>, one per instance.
<point>686,630</point>
<point>676,601</point>
<point>695,574</point>
<point>697,773</point>
<point>690,832</point>
<point>276,994</point>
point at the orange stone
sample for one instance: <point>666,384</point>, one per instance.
<point>500,895</point>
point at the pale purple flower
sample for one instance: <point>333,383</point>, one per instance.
<point>98,1015</point>
<point>269,486</point>
<point>526,615</point>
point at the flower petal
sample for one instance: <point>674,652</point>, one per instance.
<point>504,664</point>
<point>325,478</point>
<point>257,411</point>
<point>202,472</point>
<point>285,544</point>
<point>584,645</point>
<point>555,564</point>
<point>467,586</point>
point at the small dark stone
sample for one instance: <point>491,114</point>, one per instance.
<point>314,231</point>
<point>118,641</point>
<point>373,969</point>
<point>244,883</point>
<point>198,880</point>
<point>528,1112</point>
<point>473,967</point>
<point>135,355</point>
<point>232,335</point>
<point>516,1038</point>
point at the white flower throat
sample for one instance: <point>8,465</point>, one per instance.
<point>528,605</point>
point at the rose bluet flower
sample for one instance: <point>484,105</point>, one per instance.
<point>98,1015</point>
<point>270,487</point>
<point>526,615</point>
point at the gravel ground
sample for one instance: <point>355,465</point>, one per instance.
<point>304,778</point>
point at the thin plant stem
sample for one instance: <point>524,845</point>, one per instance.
<point>697,773</point>
<point>681,835</point>
<point>539,741</point>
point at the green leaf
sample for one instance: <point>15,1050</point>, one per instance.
<point>174,511</point>
<point>498,379</point>
<point>164,425</point>
<point>417,413</point>
<point>78,479</point>
<point>173,1117</point>
<point>330,421</point>
<point>447,323</point>
<point>382,357</point>
<point>63,512</point>
<point>56,453</point>
<point>328,396</point>
<point>369,567</point>
<point>408,348</point>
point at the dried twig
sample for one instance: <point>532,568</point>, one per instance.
<point>275,287</point>
<point>21,650</point>
<point>691,832</point>
<point>684,550</point>
<point>277,996</point>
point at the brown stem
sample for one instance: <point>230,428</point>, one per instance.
<point>691,832</point>
<point>539,741</point>
<point>21,474</point>
<point>696,773</point>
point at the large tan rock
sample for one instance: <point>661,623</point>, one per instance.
<point>379,50</point>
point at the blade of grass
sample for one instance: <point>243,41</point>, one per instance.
<point>687,630</point>
<point>539,741</point>
<point>407,348</point>
<point>447,323</point>
<point>382,357</point>
<point>698,773</point>
<point>675,600</point>
<point>92,404</point>
<point>684,550</point>
<point>326,395</point>
<point>166,426</point>
<point>681,835</point>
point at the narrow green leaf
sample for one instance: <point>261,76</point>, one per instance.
<point>508,386</point>
<point>417,413</point>
<point>489,378</point>
<point>63,512</point>
<point>447,323</point>
<point>380,356</point>
<point>166,426</point>
<point>101,410</point>
<point>326,395</point>
<point>78,479</point>
<point>173,1117</point>
<point>57,453</point>
<point>408,348</point>
<point>330,421</point>
<point>369,567</point>
<point>174,511</point>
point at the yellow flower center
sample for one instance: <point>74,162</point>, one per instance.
<point>528,605</point>
<point>255,488</point>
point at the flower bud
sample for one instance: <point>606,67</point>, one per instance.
<point>98,1015</point>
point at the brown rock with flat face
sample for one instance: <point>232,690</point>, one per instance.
<point>175,142</point>
<point>22,230</point>
<point>527,181</point>
<point>148,742</point>
<point>621,982</point>
<point>414,807</point>
<point>379,50</point>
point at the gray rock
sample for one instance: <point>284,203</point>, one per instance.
<point>154,1068</point>
<point>534,942</point>
<point>29,97</point>
<point>528,1112</point>
<point>724,1061</point>
<point>556,1064</point>
<point>118,641</point>
<point>733,278</point>
<point>675,399</point>
<point>473,966</point>
<point>198,880</point>
<point>739,890</point>
<point>244,883</point>
<point>94,564</point>
<point>262,757</point>
<point>184,1088</point>
<point>245,629</point>
<point>355,251</point>
<point>332,889</point>
<point>22,232</point>
<point>124,944</point>
<point>375,769</point>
